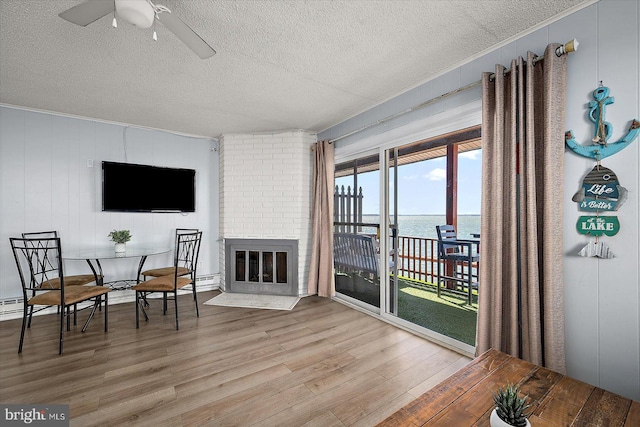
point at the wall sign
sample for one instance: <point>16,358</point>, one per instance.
<point>600,190</point>
<point>598,225</point>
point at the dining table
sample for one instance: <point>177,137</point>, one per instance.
<point>94,255</point>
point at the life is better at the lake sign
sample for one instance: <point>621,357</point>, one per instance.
<point>600,191</point>
<point>598,225</point>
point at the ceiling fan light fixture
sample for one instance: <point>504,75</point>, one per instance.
<point>141,13</point>
<point>137,12</point>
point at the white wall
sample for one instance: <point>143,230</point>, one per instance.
<point>265,191</point>
<point>46,185</point>
<point>602,297</point>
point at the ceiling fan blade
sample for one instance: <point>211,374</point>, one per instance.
<point>88,12</point>
<point>187,35</point>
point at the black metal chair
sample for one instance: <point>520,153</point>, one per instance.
<point>461,254</point>
<point>185,259</point>
<point>165,271</point>
<point>75,280</point>
<point>43,283</point>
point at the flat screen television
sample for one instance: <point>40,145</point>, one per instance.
<point>130,187</point>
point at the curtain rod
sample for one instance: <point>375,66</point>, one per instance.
<point>570,46</point>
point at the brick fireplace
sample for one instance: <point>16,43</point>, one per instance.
<point>265,197</point>
<point>264,266</point>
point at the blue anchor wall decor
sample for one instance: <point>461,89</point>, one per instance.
<point>603,130</point>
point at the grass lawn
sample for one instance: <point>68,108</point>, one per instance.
<point>418,303</point>
<point>449,315</point>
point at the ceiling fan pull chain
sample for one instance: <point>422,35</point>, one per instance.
<point>155,35</point>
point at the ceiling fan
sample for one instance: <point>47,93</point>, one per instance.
<point>141,13</point>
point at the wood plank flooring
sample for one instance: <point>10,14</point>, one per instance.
<point>321,364</point>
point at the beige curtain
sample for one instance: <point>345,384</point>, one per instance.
<point>521,298</point>
<point>321,280</point>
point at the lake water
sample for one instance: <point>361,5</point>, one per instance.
<point>425,225</point>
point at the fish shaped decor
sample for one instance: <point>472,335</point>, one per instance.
<point>600,146</point>
<point>597,250</point>
<point>600,191</point>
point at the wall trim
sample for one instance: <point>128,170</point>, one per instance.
<point>14,311</point>
<point>108,122</point>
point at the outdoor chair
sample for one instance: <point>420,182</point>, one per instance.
<point>185,259</point>
<point>43,283</point>
<point>356,253</point>
<point>461,254</point>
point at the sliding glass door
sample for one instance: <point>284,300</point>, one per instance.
<point>357,231</point>
<point>387,206</point>
<point>422,193</point>
<point>391,225</point>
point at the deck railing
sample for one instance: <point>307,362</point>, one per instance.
<point>418,259</point>
<point>417,256</point>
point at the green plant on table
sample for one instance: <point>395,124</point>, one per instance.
<point>510,407</point>
<point>120,236</point>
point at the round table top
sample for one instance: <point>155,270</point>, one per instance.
<point>108,252</point>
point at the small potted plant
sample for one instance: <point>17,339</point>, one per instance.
<point>121,237</point>
<point>510,408</point>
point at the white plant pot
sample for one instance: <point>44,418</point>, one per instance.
<point>121,247</point>
<point>495,420</point>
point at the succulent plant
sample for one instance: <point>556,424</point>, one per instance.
<point>510,407</point>
<point>120,236</point>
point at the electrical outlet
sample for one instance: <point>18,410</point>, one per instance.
<point>90,163</point>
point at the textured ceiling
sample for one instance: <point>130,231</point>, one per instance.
<point>280,64</point>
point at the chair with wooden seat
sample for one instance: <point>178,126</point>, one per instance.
<point>165,271</point>
<point>43,283</point>
<point>74,280</point>
<point>461,254</point>
<point>185,259</point>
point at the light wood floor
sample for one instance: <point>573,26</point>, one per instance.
<point>321,364</point>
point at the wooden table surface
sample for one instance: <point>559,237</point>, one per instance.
<point>465,398</point>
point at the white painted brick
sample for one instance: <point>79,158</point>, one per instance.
<point>265,189</point>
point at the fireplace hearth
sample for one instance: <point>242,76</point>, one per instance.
<point>262,266</point>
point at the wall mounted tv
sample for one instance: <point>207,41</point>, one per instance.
<point>129,187</point>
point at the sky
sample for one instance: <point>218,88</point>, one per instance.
<point>422,186</point>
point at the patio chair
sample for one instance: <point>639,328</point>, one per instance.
<point>356,253</point>
<point>185,257</point>
<point>43,283</point>
<point>461,254</point>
